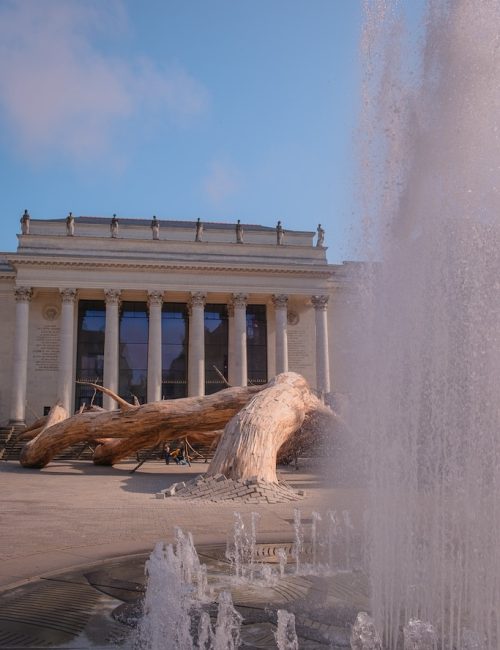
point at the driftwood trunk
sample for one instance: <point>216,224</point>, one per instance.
<point>258,421</point>
<point>251,440</point>
<point>139,426</point>
<point>111,451</point>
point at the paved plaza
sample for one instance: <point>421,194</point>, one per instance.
<point>74,524</point>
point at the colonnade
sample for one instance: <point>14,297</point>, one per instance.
<point>237,370</point>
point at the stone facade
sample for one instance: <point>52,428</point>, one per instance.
<point>42,283</point>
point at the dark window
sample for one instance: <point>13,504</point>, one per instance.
<point>133,379</point>
<point>256,344</point>
<point>216,347</point>
<point>90,350</point>
<point>174,350</point>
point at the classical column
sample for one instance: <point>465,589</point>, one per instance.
<point>155,301</point>
<point>231,372</point>
<point>320,304</point>
<point>280,306</point>
<point>240,339</point>
<point>111,342</point>
<point>196,353</point>
<point>66,348</point>
<point>20,357</point>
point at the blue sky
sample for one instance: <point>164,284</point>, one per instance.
<point>216,109</point>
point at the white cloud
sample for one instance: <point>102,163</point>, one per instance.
<point>61,92</point>
<point>222,180</point>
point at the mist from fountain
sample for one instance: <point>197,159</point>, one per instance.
<point>424,386</point>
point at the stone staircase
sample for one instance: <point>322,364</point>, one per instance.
<point>11,446</point>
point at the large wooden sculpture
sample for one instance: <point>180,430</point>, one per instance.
<point>257,421</point>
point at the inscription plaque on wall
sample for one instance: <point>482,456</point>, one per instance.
<point>46,348</point>
<point>300,351</point>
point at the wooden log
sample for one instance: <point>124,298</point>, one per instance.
<point>34,429</point>
<point>112,450</point>
<point>143,426</point>
<point>251,440</point>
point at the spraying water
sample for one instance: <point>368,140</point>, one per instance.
<point>298,544</point>
<point>166,621</point>
<point>425,387</point>
<point>286,637</point>
<point>364,635</point>
<point>227,633</point>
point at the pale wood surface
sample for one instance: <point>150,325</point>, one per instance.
<point>141,426</point>
<point>251,440</point>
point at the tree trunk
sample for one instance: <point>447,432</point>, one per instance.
<point>258,421</point>
<point>140,426</point>
<point>251,440</point>
<point>109,452</point>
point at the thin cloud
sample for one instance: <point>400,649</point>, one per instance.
<point>221,181</point>
<point>60,92</point>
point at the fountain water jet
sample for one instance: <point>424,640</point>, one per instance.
<point>425,381</point>
<point>286,637</point>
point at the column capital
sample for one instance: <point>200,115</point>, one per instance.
<point>280,301</point>
<point>155,298</point>
<point>23,294</point>
<point>197,299</point>
<point>112,296</point>
<point>320,302</point>
<point>239,300</point>
<point>68,295</point>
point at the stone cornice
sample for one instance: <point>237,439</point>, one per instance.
<point>312,270</point>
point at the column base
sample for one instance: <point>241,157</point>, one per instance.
<point>16,424</point>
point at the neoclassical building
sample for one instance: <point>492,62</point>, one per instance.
<point>161,310</point>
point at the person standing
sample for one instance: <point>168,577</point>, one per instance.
<point>166,453</point>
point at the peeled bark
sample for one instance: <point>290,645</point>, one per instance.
<point>139,426</point>
<point>251,440</point>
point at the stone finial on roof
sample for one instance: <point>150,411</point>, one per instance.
<point>155,228</point>
<point>199,230</point>
<point>113,226</point>
<point>321,237</point>
<point>239,233</point>
<point>70,225</point>
<point>25,223</point>
<point>280,234</point>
